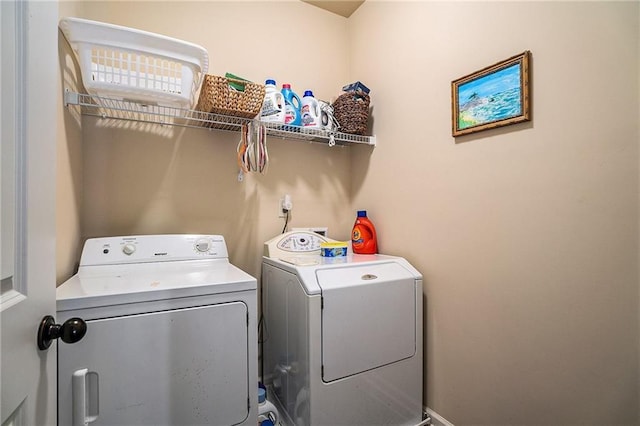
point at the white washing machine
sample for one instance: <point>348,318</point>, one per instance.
<point>171,335</point>
<point>342,336</point>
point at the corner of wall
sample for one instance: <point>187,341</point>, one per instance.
<point>68,160</point>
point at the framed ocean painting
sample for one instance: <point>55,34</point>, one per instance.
<point>495,96</point>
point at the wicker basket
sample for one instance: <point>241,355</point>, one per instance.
<point>218,98</point>
<point>351,109</point>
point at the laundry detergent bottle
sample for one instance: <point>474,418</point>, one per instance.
<point>310,111</point>
<point>267,412</point>
<point>363,236</point>
<point>292,106</point>
<point>273,106</point>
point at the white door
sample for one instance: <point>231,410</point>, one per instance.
<point>29,102</point>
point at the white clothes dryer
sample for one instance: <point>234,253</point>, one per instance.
<point>342,336</point>
<point>171,335</point>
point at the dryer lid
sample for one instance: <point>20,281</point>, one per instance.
<point>109,285</point>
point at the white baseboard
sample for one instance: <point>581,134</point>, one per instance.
<point>437,419</point>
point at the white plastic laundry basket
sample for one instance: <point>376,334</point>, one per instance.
<point>129,64</point>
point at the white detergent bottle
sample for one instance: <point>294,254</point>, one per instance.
<point>273,106</point>
<point>310,111</point>
<point>267,412</point>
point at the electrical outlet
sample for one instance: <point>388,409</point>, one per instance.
<point>284,205</point>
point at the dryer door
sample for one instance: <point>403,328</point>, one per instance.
<point>368,318</point>
<point>176,367</point>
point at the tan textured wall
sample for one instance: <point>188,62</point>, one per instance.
<point>527,236</point>
<point>68,162</point>
<point>175,180</point>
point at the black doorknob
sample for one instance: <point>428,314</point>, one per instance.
<point>71,331</point>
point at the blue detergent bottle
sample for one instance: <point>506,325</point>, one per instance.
<point>292,107</point>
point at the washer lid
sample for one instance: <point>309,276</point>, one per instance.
<point>306,270</point>
<point>352,275</point>
<point>108,285</point>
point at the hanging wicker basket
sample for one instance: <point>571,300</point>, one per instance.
<point>351,109</point>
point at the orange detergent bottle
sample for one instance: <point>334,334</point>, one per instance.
<point>363,236</point>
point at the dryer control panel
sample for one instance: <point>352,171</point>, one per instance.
<point>152,248</point>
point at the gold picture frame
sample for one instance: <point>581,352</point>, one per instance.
<point>495,96</point>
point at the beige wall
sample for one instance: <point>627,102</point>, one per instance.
<point>174,180</point>
<point>527,236</point>
<point>68,163</point>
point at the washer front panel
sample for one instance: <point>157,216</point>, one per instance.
<point>368,318</point>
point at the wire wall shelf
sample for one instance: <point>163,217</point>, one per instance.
<point>114,109</point>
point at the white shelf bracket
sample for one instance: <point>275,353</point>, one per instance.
<point>71,98</point>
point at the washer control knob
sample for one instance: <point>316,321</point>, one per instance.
<point>203,245</point>
<point>128,249</point>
